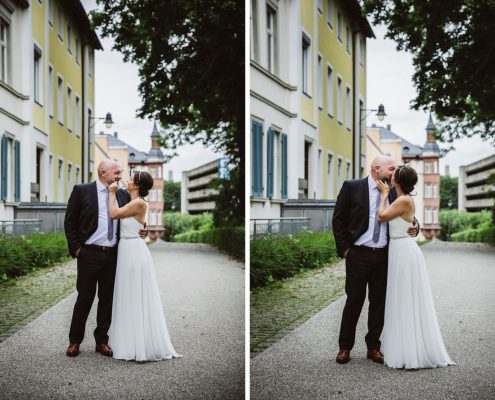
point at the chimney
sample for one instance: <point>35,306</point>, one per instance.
<point>389,127</point>
<point>373,125</point>
<point>116,134</point>
<point>170,175</point>
<point>101,133</point>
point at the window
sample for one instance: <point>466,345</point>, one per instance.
<point>78,175</point>
<point>362,127</point>
<point>4,50</point>
<point>319,83</point>
<point>69,39</point>
<point>274,164</point>
<point>77,51</point>
<point>428,215</point>
<point>339,100</point>
<point>90,62</point>
<point>347,170</point>
<point>348,107</point>
<point>339,173</point>
<point>50,12</point>
<point>330,177</point>
<point>78,116</point>
<point>10,169</point>
<point>330,89</point>
<point>428,190</point>
<point>339,26</point>
<point>320,6</point>
<point>347,39</point>
<point>306,64</point>
<point>61,181</point>
<point>60,23</point>
<point>60,100</point>
<point>254,29</point>
<point>435,215</point>
<point>330,13</point>
<point>427,168</point>
<point>435,191</point>
<point>283,166</point>
<point>69,179</point>
<point>90,130</point>
<point>256,159</point>
<point>435,167</point>
<point>271,37</point>
<point>37,74</point>
<point>50,91</point>
<point>69,109</point>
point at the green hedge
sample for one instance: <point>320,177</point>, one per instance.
<point>178,223</point>
<point>485,233</point>
<point>277,257</point>
<point>230,240</point>
<point>19,255</point>
<point>459,221</point>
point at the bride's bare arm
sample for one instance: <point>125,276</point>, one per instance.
<point>134,208</point>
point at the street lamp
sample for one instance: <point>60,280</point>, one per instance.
<point>380,112</point>
<point>108,121</point>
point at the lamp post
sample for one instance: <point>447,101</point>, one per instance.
<point>449,204</point>
<point>380,112</point>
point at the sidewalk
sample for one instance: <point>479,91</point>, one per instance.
<point>302,364</point>
<point>203,295</point>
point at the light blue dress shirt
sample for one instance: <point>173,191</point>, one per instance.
<point>99,237</point>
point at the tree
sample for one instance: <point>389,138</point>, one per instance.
<point>190,58</point>
<point>171,195</point>
<point>448,192</point>
<point>453,52</point>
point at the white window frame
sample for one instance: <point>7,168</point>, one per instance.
<point>362,50</point>
<point>428,215</point>
<point>77,50</point>
<point>330,175</point>
<point>69,38</point>
<point>271,38</point>
<point>50,13</point>
<point>348,107</point>
<point>348,39</point>
<point>60,23</point>
<point>428,191</point>
<point>340,181</point>
<point>320,6</point>
<point>60,179</point>
<point>38,75</point>
<point>306,64</point>
<point>70,114</point>
<point>330,14</point>
<point>5,48</point>
<point>60,100</point>
<point>340,100</point>
<point>51,94</point>
<point>348,170</point>
<point>428,167</point>
<point>339,26</point>
<point>69,178</point>
<point>435,215</point>
<point>78,114</point>
<point>330,91</point>
<point>78,174</point>
<point>319,82</point>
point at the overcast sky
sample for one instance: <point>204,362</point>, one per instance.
<point>389,81</point>
<point>116,85</point>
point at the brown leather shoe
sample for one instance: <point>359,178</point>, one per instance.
<point>72,350</point>
<point>104,349</point>
<point>343,356</point>
<point>375,355</point>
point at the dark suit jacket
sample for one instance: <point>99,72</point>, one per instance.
<point>351,215</point>
<point>81,216</point>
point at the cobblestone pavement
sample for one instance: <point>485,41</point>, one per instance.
<point>302,364</point>
<point>278,309</point>
<point>202,292</point>
<point>25,298</point>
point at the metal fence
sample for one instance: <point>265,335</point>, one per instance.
<point>20,227</point>
<point>278,226</point>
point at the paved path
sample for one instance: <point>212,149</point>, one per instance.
<point>302,366</point>
<point>203,295</point>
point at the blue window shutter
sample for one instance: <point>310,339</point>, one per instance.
<point>17,151</point>
<point>256,160</point>
<point>4,164</point>
<point>269,177</point>
<point>284,166</point>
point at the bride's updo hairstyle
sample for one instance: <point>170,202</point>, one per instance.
<point>143,181</point>
<point>406,177</point>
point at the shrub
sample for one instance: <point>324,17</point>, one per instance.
<point>19,255</point>
<point>461,221</point>
<point>278,257</point>
<point>178,223</point>
<point>230,240</point>
<point>485,233</point>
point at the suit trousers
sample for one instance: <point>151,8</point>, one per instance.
<point>95,270</point>
<point>364,268</point>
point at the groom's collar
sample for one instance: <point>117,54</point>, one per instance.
<point>371,183</point>
<point>100,186</point>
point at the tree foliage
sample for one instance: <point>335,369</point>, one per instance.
<point>448,192</point>
<point>453,52</point>
<point>171,195</point>
<point>190,58</point>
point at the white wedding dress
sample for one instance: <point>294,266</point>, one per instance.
<point>411,335</point>
<point>138,330</point>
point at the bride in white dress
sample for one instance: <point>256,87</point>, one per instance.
<point>411,334</point>
<point>138,330</point>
